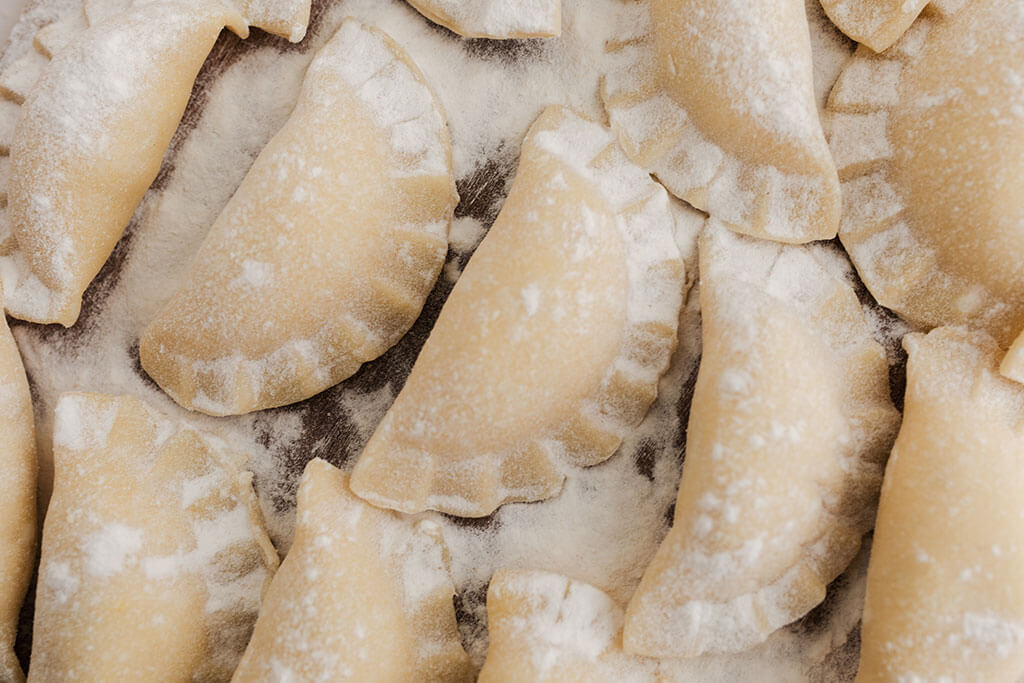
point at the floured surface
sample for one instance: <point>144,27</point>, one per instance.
<point>154,555</point>
<point>876,23</point>
<point>790,424</point>
<point>716,99</point>
<point>95,126</point>
<point>326,252</point>
<point>364,594</point>
<point>949,523</point>
<point>17,497</point>
<point>929,141</point>
<point>548,627</point>
<point>608,520</point>
<point>549,349</point>
<point>495,18</point>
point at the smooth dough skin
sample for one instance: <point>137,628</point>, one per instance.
<point>89,141</point>
<point>352,601</point>
<point>324,256</point>
<point>945,587</point>
<point>875,23</point>
<point>495,19</point>
<point>790,424</point>
<point>716,97</point>
<point>929,141</point>
<point>550,345</point>
<point>17,497</point>
<point>547,628</point>
<point>154,556</point>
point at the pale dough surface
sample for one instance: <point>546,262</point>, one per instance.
<point>495,18</point>
<point>875,23</point>
<point>154,557</point>
<point>94,126</point>
<point>929,141</point>
<point>548,628</point>
<point>945,599</point>
<point>551,343</point>
<point>324,256</point>
<point>364,595</point>
<point>17,497</point>
<point>789,429</point>
<point>717,99</point>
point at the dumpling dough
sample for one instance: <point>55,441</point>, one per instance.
<point>364,595</point>
<point>154,555</point>
<point>875,23</point>
<point>880,23</point>
<point>324,256</point>
<point>929,141</point>
<point>92,133</point>
<point>547,628</point>
<point>552,342</point>
<point>945,589</point>
<point>790,425</point>
<point>1013,362</point>
<point>17,497</point>
<point>495,18</point>
<point>716,97</point>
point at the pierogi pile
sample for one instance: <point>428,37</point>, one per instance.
<point>512,340</point>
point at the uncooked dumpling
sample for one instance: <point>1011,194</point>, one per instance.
<point>547,628</point>
<point>552,342</point>
<point>154,555</point>
<point>495,18</point>
<point>716,97</point>
<point>945,590</point>
<point>364,595</point>
<point>17,497</point>
<point>324,256</point>
<point>789,429</point>
<point>91,134</point>
<point>929,141</point>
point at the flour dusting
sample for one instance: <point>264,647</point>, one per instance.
<point>609,519</point>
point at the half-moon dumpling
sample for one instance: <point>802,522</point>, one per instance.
<point>929,141</point>
<point>324,256</point>
<point>789,429</point>
<point>154,556</point>
<point>363,595</point>
<point>548,628</point>
<point>945,587</point>
<point>91,135</point>
<point>717,98</point>
<point>17,497</point>
<point>495,18</point>
<point>551,344</point>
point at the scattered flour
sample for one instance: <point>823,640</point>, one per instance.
<point>110,549</point>
<point>496,18</point>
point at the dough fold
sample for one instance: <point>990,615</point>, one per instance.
<point>363,595</point>
<point>716,98</point>
<point>324,256</point>
<point>86,134</point>
<point>789,429</point>
<point>18,531</point>
<point>945,595</point>
<point>552,342</point>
